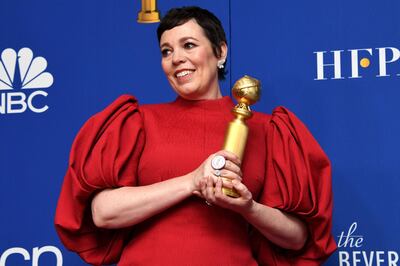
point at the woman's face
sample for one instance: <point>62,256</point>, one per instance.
<point>189,63</point>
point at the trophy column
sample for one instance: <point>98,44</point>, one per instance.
<point>246,91</point>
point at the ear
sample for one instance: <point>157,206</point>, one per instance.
<point>224,51</point>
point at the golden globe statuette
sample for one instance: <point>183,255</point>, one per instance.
<point>149,12</point>
<point>246,91</point>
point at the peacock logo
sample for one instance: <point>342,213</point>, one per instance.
<point>22,78</point>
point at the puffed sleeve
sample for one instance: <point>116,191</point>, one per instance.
<point>298,181</point>
<point>105,154</point>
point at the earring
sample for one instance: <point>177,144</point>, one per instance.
<point>220,63</point>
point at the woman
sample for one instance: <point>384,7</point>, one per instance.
<point>141,190</point>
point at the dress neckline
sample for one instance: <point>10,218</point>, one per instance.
<point>213,105</point>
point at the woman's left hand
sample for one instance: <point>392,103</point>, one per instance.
<point>213,194</point>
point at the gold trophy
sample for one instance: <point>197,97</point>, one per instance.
<point>149,12</point>
<point>246,91</point>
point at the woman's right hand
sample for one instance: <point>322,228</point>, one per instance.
<point>231,171</point>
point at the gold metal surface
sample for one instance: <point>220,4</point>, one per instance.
<point>246,91</point>
<point>236,136</point>
<point>149,12</point>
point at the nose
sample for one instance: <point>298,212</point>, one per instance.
<point>178,57</point>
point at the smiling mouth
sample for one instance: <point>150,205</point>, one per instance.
<point>183,73</point>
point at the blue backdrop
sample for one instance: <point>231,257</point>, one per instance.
<point>334,63</point>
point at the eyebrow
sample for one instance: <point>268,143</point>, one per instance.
<point>181,40</point>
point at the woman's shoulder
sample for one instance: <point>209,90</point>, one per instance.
<point>155,106</point>
<point>123,99</point>
<point>126,102</point>
<point>260,116</point>
<point>119,105</point>
<point>157,110</point>
<point>281,119</point>
<point>279,112</point>
<point>122,113</point>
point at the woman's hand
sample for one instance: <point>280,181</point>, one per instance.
<point>212,192</point>
<point>210,184</point>
<point>231,171</point>
<point>282,229</point>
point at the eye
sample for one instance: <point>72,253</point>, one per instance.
<point>189,45</point>
<point>165,52</point>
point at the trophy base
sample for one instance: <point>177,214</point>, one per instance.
<point>148,17</point>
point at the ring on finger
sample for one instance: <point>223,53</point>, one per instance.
<point>218,162</point>
<point>217,173</point>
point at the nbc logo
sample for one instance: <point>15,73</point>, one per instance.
<point>21,92</point>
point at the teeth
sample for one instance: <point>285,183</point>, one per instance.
<point>183,73</point>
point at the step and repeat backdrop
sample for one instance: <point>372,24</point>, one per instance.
<point>336,64</point>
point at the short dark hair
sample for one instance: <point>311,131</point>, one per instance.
<point>210,24</point>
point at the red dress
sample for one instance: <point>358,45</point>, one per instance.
<point>124,145</point>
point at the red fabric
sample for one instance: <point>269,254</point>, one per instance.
<point>120,147</point>
<point>298,181</point>
<point>104,155</point>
